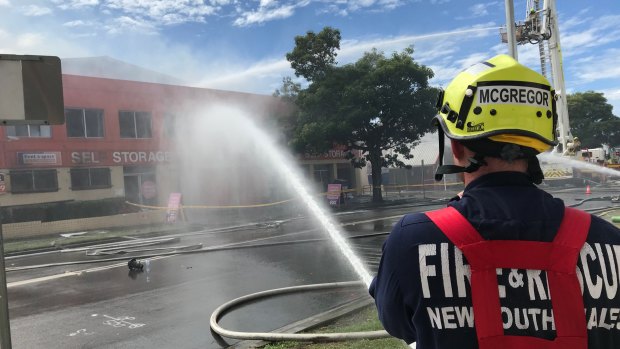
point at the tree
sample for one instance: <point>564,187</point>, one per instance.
<point>379,106</point>
<point>314,53</point>
<point>288,93</point>
<point>592,120</point>
<point>289,89</point>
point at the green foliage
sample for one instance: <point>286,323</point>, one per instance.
<point>378,106</point>
<point>287,121</point>
<point>282,345</point>
<point>314,53</point>
<point>365,320</point>
<point>592,120</point>
<point>289,89</point>
<point>387,343</point>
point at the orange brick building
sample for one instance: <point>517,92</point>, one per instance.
<point>117,143</point>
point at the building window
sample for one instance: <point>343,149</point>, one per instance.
<point>84,123</point>
<point>169,126</point>
<point>34,131</point>
<point>90,178</point>
<point>33,181</point>
<point>135,124</point>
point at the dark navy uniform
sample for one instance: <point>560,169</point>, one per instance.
<point>422,289</point>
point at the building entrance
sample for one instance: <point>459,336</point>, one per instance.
<point>140,185</point>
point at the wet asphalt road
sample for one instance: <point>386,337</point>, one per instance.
<point>103,305</point>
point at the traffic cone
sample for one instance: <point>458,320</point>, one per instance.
<point>588,191</point>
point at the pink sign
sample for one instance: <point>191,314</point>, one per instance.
<point>333,193</point>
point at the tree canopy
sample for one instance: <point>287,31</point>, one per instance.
<point>379,106</point>
<point>314,53</point>
<point>592,120</point>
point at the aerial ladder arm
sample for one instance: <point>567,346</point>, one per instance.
<point>540,26</point>
<point>566,142</point>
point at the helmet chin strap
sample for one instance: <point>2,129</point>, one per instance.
<point>474,163</point>
<point>533,169</point>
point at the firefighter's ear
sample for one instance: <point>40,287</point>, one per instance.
<point>458,150</point>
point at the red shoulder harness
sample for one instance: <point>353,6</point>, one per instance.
<point>557,258</point>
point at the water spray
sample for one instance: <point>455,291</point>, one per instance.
<point>286,168</point>
<point>234,129</point>
<point>579,164</point>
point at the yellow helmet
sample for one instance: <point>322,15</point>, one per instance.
<point>502,100</point>
<point>498,100</point>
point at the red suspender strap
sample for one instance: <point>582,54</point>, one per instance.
<point>557,258</point>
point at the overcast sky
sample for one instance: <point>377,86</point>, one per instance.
<point>240,44</point>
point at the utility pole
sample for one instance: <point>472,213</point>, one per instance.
<point>5,327</point>
<point>423,186</point>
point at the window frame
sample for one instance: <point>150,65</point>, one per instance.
<point>8,127</point>
<point>168,126</point>
<point>134,115</point>
<point>90,185</point>
<point>84,124</point>
<point>13,173</point>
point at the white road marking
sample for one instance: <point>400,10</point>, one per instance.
<point>81,331</point>
<point>121,321</point>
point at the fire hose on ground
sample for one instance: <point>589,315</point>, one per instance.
<point>298,337</point>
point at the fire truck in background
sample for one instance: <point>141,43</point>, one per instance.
<point>606,156</point>
<point>614,158</point>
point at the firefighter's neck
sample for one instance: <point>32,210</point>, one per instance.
<point>462,155</point>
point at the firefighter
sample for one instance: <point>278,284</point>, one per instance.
<point>505,265</point>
